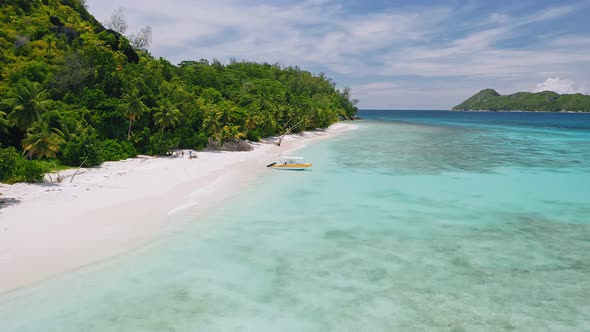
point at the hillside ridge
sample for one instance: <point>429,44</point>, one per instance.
<point>545,101</point>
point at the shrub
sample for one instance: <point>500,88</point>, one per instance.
<point>86,149</point>
<point>129,149</point>
<point>9,159</point>
<point>195,142</point>
<point>15,168</point>
<point>112,150</point>
<point>201,141</point>
<point>29,171</point>
<point>115,150</point>
<point>141,140</point>
<point>253,135</point>
<point>162,142</point>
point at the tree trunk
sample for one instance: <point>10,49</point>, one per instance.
<point>72,179</point>
<point>288,131</point>
<point>129,131</point>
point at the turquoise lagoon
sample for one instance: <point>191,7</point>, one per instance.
<point>416,221</point>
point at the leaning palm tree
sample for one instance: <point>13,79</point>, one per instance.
<point>251,122</point>
<point>167,116</point>
<point>27,100</point>
<point>133,107</point>
<point>42,142</point>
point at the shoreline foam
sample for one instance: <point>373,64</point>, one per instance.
<point>118,207</point>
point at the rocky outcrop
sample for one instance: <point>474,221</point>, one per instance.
<point>232,145</point>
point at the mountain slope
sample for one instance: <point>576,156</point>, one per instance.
<point>39,37</point>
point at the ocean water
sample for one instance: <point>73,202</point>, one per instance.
<point>416,221</point>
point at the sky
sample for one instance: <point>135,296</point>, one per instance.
<point>392,54</point>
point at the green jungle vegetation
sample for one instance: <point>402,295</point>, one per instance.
<point>546,101</point>
<point>73,92</point>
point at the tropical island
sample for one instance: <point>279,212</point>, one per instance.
<point>546,101</point>
<point>76,93</point>
<point>86,112</point>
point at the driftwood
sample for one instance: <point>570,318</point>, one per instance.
<point>58,179</point>
<point>288,130</point>
<point>72,179</point>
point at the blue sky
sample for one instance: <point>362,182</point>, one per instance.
<point>393,54</point>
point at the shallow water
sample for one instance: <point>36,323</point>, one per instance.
<point>417,221</point>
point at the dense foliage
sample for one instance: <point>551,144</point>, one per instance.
<point>74,91</point>
<point>15,168</point>
<point>546,101</point>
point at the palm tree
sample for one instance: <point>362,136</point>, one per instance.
<point>211,123</point>
<point>230,133</point>
<point>167,116</point>
<point>133,107</point>
<point>27,100</point>
<point>72,131</point>
<point>42,142</point>
<point>251,122</point>
<point>229,114</point>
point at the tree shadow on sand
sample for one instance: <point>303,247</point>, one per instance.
<point>7,201</point>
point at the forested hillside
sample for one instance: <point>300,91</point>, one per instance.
<point>546,101</point>
<point>73,92</point>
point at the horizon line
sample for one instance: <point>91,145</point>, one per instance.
<point>401,109</point>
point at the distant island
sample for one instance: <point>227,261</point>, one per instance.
<point>546,101</point>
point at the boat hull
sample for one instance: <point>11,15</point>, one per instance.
<point>291,167</point>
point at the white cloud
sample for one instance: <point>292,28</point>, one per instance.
<point>421,49</point>
<point>572,41</point>
<point>477,53</point>
<point>559,85</point>
<point>306,33</point>
<point>499,18</point>
<point>375,88</point>
<point>394,95</point>
<point>555,12</point>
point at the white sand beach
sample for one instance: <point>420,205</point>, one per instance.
<point>50,228</point>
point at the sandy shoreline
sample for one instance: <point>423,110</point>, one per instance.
<point>47,229</point>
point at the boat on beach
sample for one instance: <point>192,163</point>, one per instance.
<point>290,163</point>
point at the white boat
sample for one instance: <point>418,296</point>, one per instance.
<point>290,163</point>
